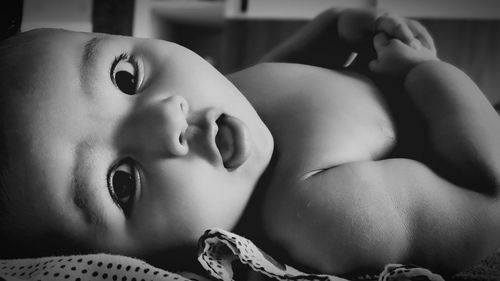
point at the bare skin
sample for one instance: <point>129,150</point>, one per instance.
<point>345,121</point>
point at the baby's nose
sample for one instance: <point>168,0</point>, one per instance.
<point>173,114</point>
<point>156,128</point>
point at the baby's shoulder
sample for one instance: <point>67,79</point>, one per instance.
<point>295,75</point>
<point>279,69</point>
<point>269,84</point>
<point>273,77</point>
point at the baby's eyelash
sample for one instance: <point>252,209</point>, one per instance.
<point>125,57</point>
<point>122,56</point>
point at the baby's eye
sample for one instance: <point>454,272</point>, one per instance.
<point>122,184</point>
<point>124,74</point>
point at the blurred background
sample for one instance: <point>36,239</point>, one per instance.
<point>232,34</point>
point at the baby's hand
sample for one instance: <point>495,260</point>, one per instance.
<point>409,31</point>
<point>395,58</point>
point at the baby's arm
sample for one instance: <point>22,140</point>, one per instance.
<point>317,43</point>
<point>364,214</point>
<point>331,38</point>
<point>463,126</point>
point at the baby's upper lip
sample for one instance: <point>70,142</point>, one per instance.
<point>210,123</point>
<point>234,141</point>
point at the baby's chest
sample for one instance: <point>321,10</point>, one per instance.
<point>322,129</point>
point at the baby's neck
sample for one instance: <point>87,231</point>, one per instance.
<point>250,224</point>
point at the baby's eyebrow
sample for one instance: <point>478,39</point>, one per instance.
<point>80,186</point>
<point>90,50</point>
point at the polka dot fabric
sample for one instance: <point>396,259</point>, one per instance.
<point>84,268</point>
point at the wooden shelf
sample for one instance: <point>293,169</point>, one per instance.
<point>307,9</point>
<point>151,15</point>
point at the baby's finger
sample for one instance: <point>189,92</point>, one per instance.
<point>404,33</point>
<point>395,27</point>
<point>415,44</point>
<point>421,33</point>
<point>380,41</point>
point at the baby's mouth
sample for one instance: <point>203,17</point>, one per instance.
<point>232,141</point>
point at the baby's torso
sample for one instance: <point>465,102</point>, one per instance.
<point>319,118</point>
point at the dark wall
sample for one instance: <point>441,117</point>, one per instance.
<point>471,45</point>
<point>113,16</point>
<point>10,17</point>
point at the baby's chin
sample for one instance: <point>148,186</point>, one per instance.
<point>265,144</point>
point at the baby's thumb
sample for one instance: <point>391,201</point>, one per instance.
<point>380,40</point>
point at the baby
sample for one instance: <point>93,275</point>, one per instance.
<point>136,146</point>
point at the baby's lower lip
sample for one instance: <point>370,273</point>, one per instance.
<point>232,141</point>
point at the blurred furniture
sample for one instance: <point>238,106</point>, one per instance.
<point>466,32</point>
<point>69,14</point>
<point>113,16</point>
<point>195,24</point>
<point>300,9</point>
<point>152,18</point>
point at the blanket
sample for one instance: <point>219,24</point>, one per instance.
<point>219,253</point>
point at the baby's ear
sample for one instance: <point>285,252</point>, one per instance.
<point>10,18</point>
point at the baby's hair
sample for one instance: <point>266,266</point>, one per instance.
<point>5,48</point>
<point>10,48</point>
<point>10,26</point>
<point>15,240</point>
<point>3,164</point>
<point>4,200</point>
<point>10,52</point>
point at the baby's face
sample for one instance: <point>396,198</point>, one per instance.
<point>129,145</point>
